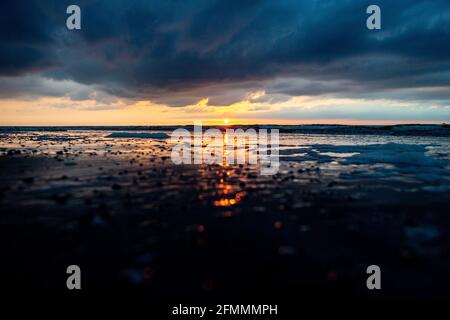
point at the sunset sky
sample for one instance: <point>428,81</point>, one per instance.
<point>261,61</point>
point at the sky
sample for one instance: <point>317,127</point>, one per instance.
<point>146,62</point>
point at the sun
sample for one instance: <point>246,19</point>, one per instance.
<point>226,121</point>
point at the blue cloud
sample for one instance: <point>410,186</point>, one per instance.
<point>148,48</point>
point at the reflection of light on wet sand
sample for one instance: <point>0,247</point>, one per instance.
<point>227,202</point>
<point>227,189</point>
<point>224,150</point>
<point>224,189</point>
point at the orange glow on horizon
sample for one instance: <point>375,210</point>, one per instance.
<point>51,111</point>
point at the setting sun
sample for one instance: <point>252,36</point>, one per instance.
<point>226,121</point>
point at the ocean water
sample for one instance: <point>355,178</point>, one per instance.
<point>424,159</point>
<point>408,165</point>
<point>341,200</point>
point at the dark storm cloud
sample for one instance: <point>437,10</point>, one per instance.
<point>25,38</point>
<point>152,49</point>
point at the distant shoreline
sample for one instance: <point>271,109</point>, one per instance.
<point>396,130</point>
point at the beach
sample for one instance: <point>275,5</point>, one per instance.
<point>117,206</point>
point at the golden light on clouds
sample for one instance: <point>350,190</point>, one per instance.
<point>295,110</point>
<point>255,95</point>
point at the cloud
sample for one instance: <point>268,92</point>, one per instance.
<point>180,52</point>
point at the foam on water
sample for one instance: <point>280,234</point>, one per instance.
<point>382,160</point>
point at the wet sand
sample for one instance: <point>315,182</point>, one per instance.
<point>131,219</point>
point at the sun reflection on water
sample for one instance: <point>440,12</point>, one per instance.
<point>227,192</point>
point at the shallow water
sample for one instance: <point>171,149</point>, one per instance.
<point>337,204</point>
